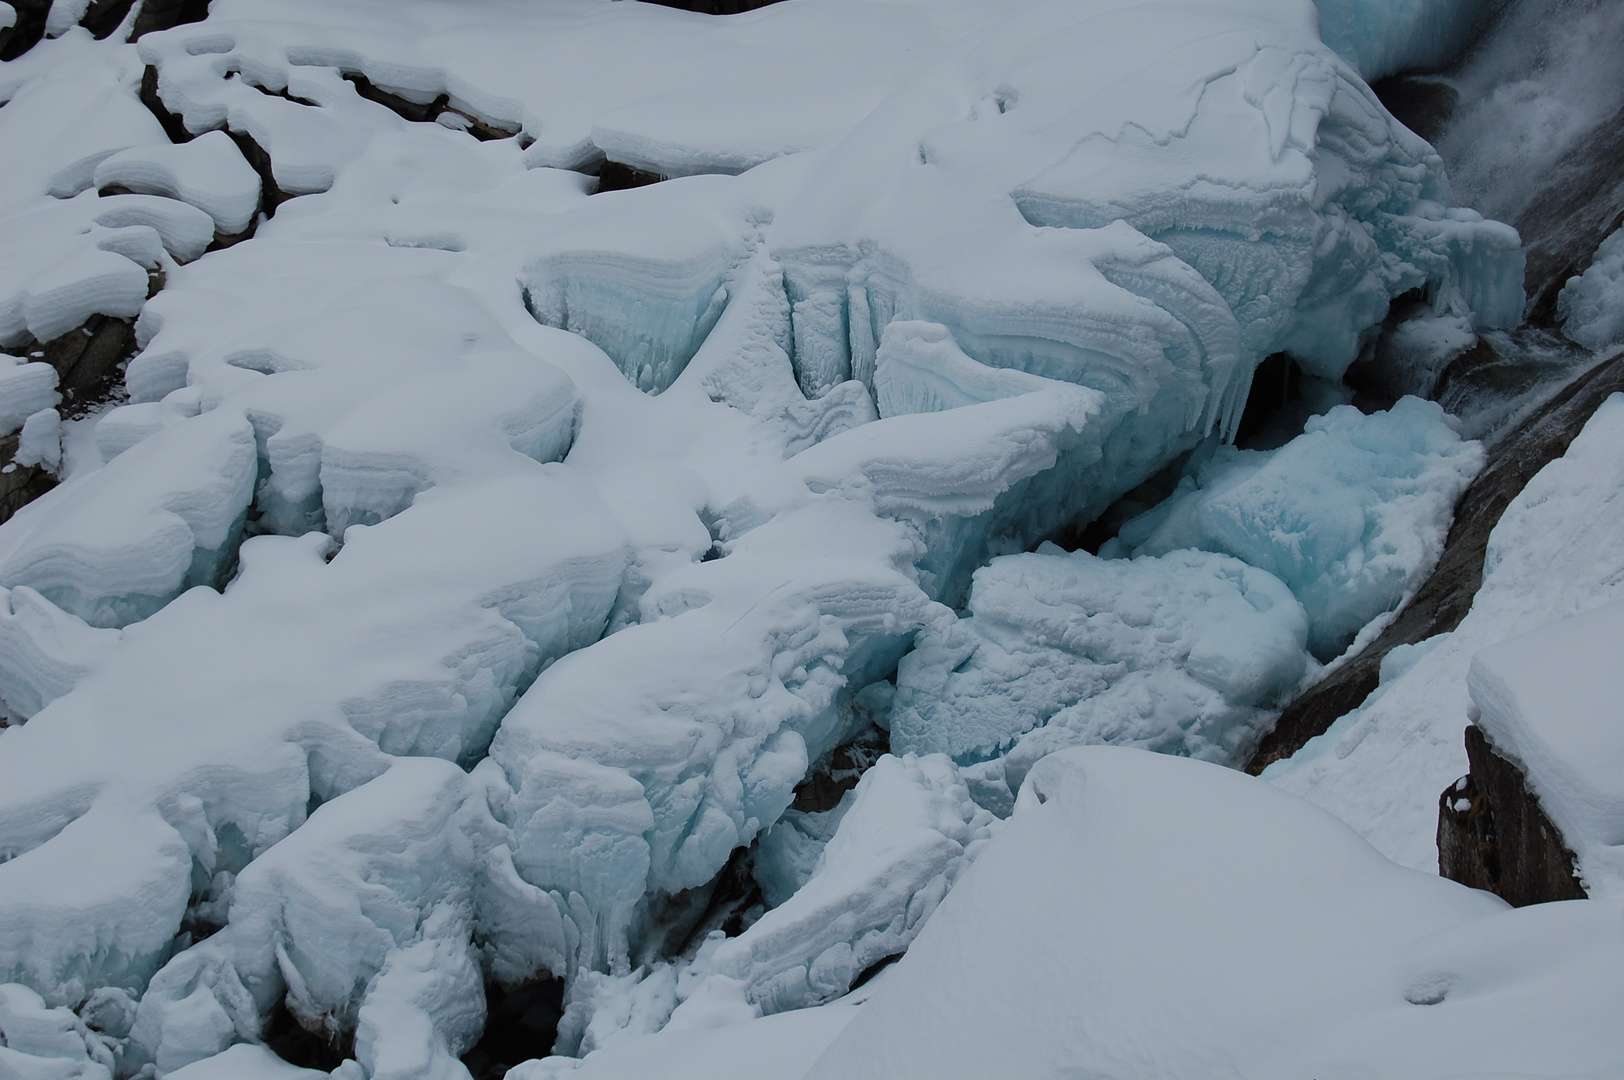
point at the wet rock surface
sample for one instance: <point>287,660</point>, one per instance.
<point>1444,600</point>
<point>1494,835</point>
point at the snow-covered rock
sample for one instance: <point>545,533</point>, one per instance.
<point>1145,912</point>
<point>209,173</point>
<point>1554,553</point>
<point>1547,701</point>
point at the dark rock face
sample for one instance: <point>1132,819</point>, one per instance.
<point>1578,205</point>
<point>1447,596</point>
<point>521,1023</point>
<point>613,176</point>
<point>101,18</point>
<point>1493,834</point>
<point>22,484</point>
<point>715,7</point>
<point>1422,103</point>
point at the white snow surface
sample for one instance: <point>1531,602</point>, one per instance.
<point>1555,553</point>
<point>635,491</point>
<point>1142,914</point>
<point>1548,701</point>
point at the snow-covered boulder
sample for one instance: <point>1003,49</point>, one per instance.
<point>1548,701</point>
<point>1143,912</point>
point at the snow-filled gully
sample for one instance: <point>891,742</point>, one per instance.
<point>507,611</point>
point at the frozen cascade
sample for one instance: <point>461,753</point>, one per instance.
<point>636,489</point>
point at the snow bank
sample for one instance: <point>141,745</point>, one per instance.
<point>1592,303</point>
<point>1085,937</point>
<point>1181,654</point>
<point>1553,554</point>
<point>1547,700</point>
<point>1352,514</point>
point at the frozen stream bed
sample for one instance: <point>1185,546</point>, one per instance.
<point>528,547</point>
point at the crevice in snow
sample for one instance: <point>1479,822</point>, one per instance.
<point>437,110</point>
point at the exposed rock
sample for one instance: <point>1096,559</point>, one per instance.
<point>25,33</point>
<point>613,176</point>
<point>522,1024</point>
<point>88,360</point>
<point>19,484</point>
<point>1493,834</point>
<point>438,110</point>
<point>1447,596</point>
<point>715,7</point>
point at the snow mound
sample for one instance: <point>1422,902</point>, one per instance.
<point>413,640</point>
<point>1180,654</point>
<point>1084,938</point>
<point>1547,700</point>
<point>25,389</point>
<point>209,173</point>
<point>1554,554</point>
<point>1351,515</point>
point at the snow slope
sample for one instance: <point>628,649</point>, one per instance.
<point>1143,915</point>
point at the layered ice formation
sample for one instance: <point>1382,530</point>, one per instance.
<point>480,562</point>
<point>1182,654</point>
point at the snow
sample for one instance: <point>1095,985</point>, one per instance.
<point>910,831</point>
<point>1352,514</point>
<point>779,1047</point>
<point>1547,700</point>
<point>1144,912</point>
<point>245,1061</point>
<point>1182,654</point>
<point>208,173</point>
<point>40,442</point>
<point>1592,304</point>
<point>479,564</point>
<point>1554,554</point>
<point>25,389</point>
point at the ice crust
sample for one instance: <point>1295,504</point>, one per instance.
<point>636,490</point>
<point>1351,515</point>
<point>1086,932</point>
<point>1592,303</point>
<point>1180,654</point>
<point>1553,554</point>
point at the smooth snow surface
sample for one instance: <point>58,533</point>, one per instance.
<point>1554,553</point>
<point>1549,701</point>
<point>1142,915</point>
